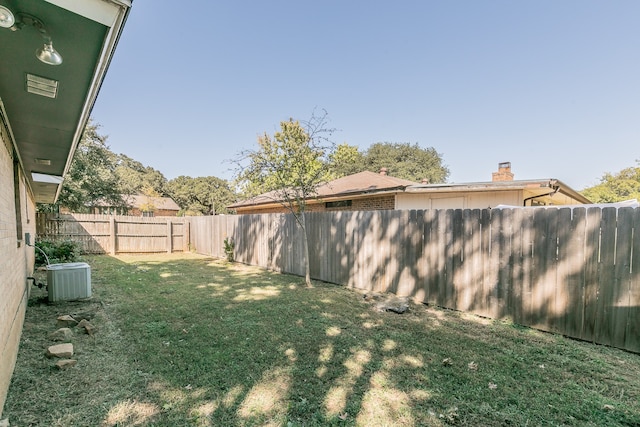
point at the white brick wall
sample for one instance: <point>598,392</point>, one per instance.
<point>16,263</point>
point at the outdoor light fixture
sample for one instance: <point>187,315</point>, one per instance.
<point>6,18</point>
<point>46,53</point>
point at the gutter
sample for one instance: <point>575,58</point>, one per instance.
<point>552,184</point>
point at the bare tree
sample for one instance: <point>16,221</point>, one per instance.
<point>288,168</point>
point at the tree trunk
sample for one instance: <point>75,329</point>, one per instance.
<point>305,241</point>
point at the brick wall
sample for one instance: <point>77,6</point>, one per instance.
<point>16,262</point>
<point>374,203</point>
<point>504,172</point>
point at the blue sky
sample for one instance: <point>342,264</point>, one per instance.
<point>551,86</point>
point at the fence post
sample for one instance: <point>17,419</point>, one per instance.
<point>112,236</point>
<point>186,235</point>
<point>169,236</point>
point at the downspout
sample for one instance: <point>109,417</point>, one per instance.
<point>556,188</point>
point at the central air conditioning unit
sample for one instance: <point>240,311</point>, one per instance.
<point>69,281</point>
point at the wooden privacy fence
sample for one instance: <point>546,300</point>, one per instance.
<point>571,271</point>
<point>116,234</point>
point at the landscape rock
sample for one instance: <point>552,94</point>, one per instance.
<point>393,303</point>
<point>66,321</point>
<point>63,351</point>
<point>85,315</point>
<point>87,327</point>
<point>66,363</point>
<point>62,334</point>
<point>4,423</point>
<point>372,296</point>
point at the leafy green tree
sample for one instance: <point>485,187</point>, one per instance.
<point>99,176</point>
<point>91,178</point>
<point>345,160</point>
<point>617,187</point>
<point>136,178</point>
<point>289,166</point>
<point>402,160</point>
<point>406,161</point>
<point>201,196</point>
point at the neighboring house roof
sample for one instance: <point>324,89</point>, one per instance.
<point>356,184</point>
<point>160,203</point>
<point>365,184</point>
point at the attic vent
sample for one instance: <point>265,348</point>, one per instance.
<point>42,86</point>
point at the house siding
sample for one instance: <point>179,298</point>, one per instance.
<point>459,200</point>
<point>16,261</point>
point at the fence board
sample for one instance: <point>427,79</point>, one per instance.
<point>399,258</point>
<point>429,285</point>
<point>516,278</point>
<point>456,265</point>
<point>473,258</point>
<point>551,275</point>
<point>493,267</point>
<point>447,288</point>
<point>376,248</point>
<point>527,303</point>
<point>483,286</point>
<point>426,268</point>
<point>622,286</point>
<point>592,285</point>
<point>420,264</point>
<point>505,264</point>
<point>438,245</point>
<point>606,277</point>
<point>560,307</point>
<point>574,273</point>
<point>632,334</point>
<point>538,269</point>
<point>351,219</point>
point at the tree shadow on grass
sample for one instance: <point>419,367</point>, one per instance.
<point>243,346</point>
<point>202,342</point>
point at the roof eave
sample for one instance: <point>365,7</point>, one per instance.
<point>106,55</point>
<point>570,192</point>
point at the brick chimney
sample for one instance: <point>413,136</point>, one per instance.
<point>383,171</point>
<point>504,172</point>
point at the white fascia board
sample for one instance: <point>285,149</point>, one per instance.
<point>102,11</point>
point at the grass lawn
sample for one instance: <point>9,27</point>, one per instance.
<point>185,340</point>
